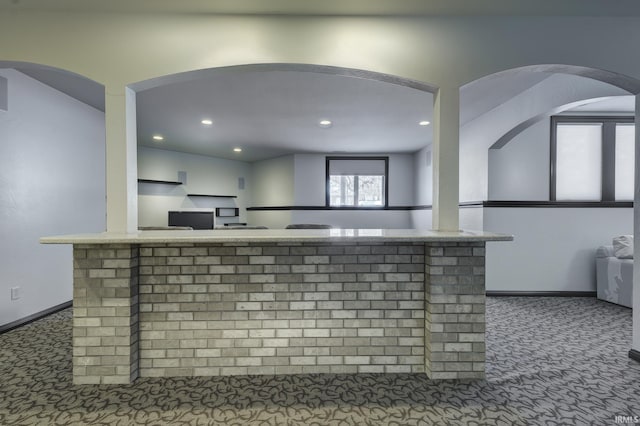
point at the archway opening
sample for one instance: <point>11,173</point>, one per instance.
<point>553,164</point>
<point>252,144</point>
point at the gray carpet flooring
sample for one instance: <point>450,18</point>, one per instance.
<point>550,361</point>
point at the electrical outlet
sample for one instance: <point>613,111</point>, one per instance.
<point>15,293</point>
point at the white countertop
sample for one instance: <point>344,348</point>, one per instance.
<point>276,235</point>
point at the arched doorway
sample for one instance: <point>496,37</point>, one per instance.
<point>556,237</point>
<point>275,111</point>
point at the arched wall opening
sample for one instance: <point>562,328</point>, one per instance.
<point>52,181</point>
<point>280,174</point>
<point>561,87</point>
<point>556,240</point>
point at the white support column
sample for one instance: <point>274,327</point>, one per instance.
<point>636,233</point>
<point>446,159</point>
<point>122,167</point>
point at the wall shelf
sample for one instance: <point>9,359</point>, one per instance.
<point>211,195</point>
<point>165,182</point>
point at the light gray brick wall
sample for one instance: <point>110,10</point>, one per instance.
<point>105,314</point>
<point>281,309</point>
<point>455,310</point>
<point>221,309</point>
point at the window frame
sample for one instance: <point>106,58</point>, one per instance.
<point>328,182</point>
<point>608,146</point>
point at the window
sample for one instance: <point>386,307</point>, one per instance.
<point>592,158</point>
<point>579,161</point>
<point>625,159</point>
<point>357,181</point>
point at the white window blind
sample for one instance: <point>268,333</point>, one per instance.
<point>579,162</point>
<point>625,159</point>
<point>357,167</point>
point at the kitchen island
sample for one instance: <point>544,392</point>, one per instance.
<point>238,302</point>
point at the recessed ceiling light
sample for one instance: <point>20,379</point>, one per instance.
<point>424,123</point>
<point>324,123</point>
<point>207,122</point>
<point>237,149</point>
<point>158,138</point>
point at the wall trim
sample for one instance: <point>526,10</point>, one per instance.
<point>634,355</point>
<point>275,208</point>
<point>493,293</point>
<point>469,204</point>
<point>560,204</point>
<point>34,317</point>
<point>466,204</point>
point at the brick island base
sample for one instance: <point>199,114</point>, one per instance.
<point>209,309</point>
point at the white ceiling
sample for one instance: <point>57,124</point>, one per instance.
<point>272,113</point>
<point>78,87</point>
<point>342,7</point>
<point>483,95</point>
<point>618,104</point>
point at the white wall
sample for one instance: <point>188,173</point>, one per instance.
<point>553,250</point>
<point>471,218</point>
<point>310,179</point>
<point>52,182</point>
<point>453,50</point>
<point>273,187</point>
<point>291,180</point>
<point>205,175</point>
<point>274,181</point>
<point>479,134</point>
<point>274,219</point>
<point>399,219</point>
<point>520,170</point>
<point>422,188</point>
<point>401,180</point>
<point>423,177</point>
<point>421,219</point>
<point>310,190</point>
